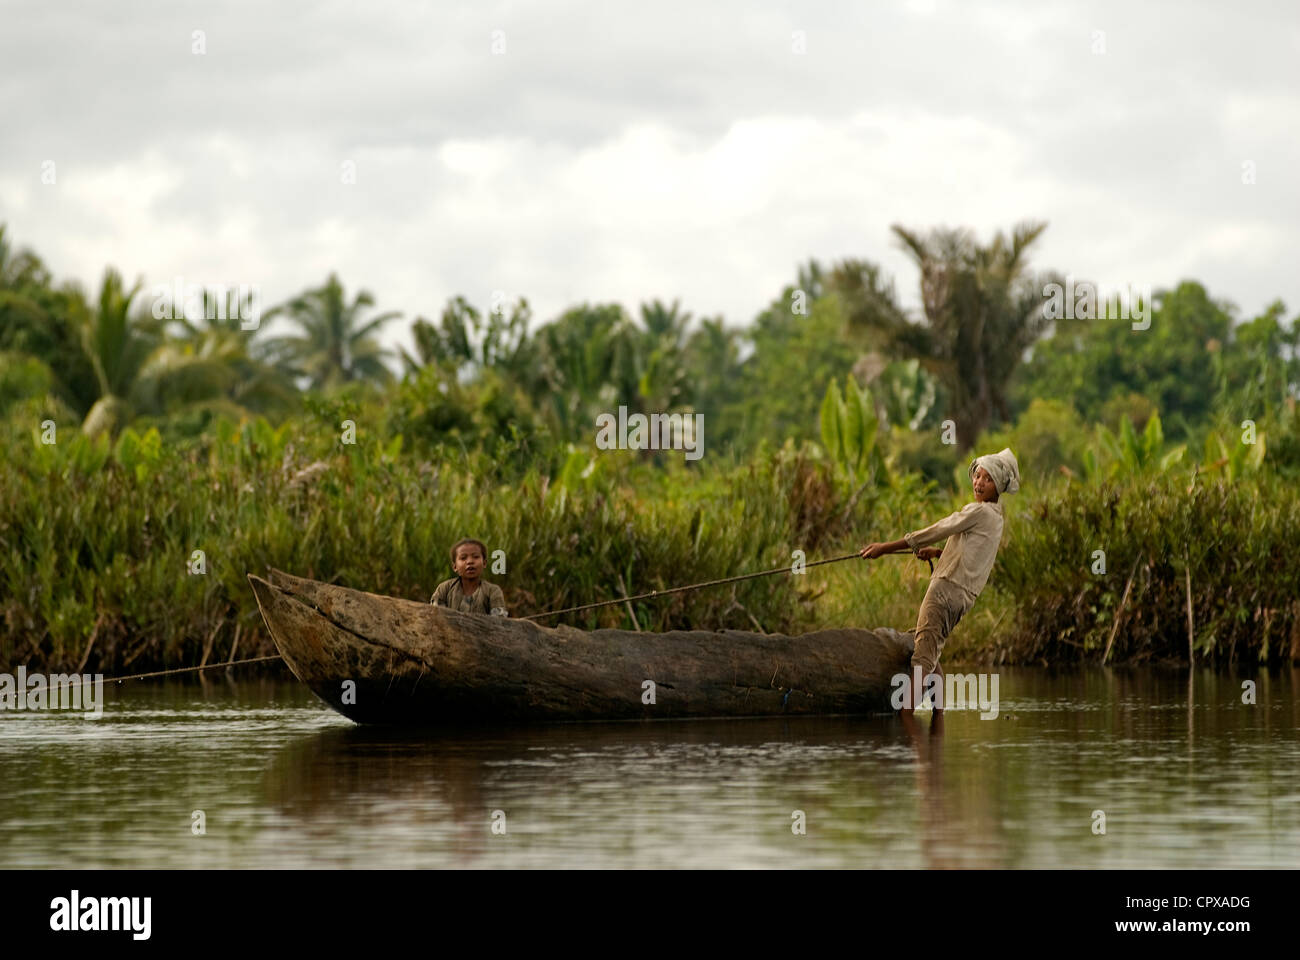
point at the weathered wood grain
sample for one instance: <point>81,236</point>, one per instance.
<point>415,663</point>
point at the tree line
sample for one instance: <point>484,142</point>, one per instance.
<point>979,352</point>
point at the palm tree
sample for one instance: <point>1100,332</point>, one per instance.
<point>811,279</point>
<point>252,383</point>
<point>462,342</point>
<point>661,380</point>
<point>584,361</point>
<point>712,368</point>
<point>137,371</point>
<point>448,344</point>
<point>335,346</point>
<point>117,346</point>
<point>982,310</point>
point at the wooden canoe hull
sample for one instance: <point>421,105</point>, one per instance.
<point>380,659</point>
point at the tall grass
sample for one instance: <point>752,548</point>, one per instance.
<point>96,543</point>
<point>99,543</point>
<point>1229,543</point>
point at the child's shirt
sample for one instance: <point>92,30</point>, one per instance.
<point>488,598</point>
<point>973,534</point>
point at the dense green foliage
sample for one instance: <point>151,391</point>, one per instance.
<point>1192,363</point>
<point>102,539</point>
<point>1173,540</point>
<point>134,440</point>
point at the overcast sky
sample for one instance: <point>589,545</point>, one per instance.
<point>630,151</point>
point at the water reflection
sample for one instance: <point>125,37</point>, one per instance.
<point>585,793</point>
<point>1185,771</point>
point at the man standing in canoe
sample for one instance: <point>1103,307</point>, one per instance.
<point>973,534</point>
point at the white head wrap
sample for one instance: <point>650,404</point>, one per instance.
<point>1002,467</point>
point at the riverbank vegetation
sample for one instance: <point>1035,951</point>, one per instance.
<point>152,461</point>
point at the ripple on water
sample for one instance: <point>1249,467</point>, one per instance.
<point>284,781</point>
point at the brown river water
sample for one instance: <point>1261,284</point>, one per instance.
<point>1182,771</point>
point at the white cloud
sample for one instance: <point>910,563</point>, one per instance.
<point>668,153</point>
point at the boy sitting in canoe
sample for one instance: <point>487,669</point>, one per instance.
<point>973,534</point>
<point>466,592</point>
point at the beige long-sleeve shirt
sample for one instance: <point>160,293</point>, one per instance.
<point>973,534</point>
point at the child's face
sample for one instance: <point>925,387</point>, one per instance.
<point>469,562</point>
<point>985,488</point>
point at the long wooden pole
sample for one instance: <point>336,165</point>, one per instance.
<point>695,586</point>
<point>168,673</point>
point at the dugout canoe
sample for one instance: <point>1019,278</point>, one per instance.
<point>378,659</point>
